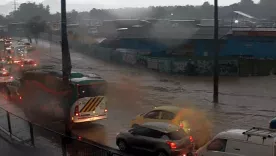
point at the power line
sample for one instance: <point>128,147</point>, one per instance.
<point>15,5</point>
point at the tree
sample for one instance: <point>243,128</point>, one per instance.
<point>34,27</point>
<point>27,11</point>
<point>3,20</point>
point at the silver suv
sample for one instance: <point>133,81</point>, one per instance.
<point>161,139</point>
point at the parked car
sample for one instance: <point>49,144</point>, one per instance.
<point>190,120</point>
<point>160,139</point>
<point>239,142</point>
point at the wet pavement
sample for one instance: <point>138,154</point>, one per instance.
<point>244,102</point>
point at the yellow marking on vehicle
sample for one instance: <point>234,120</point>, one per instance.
<point>86,105</point>
<point>96,104</point>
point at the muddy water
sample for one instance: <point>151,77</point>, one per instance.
<point>244,102</point>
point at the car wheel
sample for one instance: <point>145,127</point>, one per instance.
<point>122,145</point>
<point>161,153</point>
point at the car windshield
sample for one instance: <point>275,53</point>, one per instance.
<point>177,135</point>
<point>92,90</point>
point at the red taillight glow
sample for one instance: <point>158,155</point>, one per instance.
<point>105,110</point>
<point>11,77</point>
<point>79,137</point>
<point>191,139</point>
<point>77,112</point>
<point>181,125</point>
<point>22,65</point>
<point>20,97</point>
<point>171,144</point>
<point>35,64</point>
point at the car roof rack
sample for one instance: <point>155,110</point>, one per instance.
<point>262,132</point>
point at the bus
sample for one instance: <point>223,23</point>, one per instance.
<point>38,89</point>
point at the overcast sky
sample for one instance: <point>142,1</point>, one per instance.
<point>138,3</point>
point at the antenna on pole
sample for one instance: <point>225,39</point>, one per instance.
<point>14,5</point>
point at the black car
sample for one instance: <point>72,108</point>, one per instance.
<point>160,139</point>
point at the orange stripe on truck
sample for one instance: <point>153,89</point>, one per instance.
<point>96,104</point>
<point>86,105</point>
<point>92,104</point>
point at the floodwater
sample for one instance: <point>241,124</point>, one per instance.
<point>244,102</point>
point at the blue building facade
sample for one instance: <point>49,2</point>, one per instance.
<point>244,45</point>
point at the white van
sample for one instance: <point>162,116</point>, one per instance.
<point>237,142</point>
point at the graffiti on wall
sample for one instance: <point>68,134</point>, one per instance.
<point>129,58</point>
<point>229,67</point>
<point>205,67</point>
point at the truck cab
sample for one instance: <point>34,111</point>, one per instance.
<point>239,142</point>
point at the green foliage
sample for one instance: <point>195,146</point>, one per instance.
<point>35,26</point>
<point>264,10</point>
<point>27,11</point>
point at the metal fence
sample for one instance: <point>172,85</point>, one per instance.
<point>51,142</point>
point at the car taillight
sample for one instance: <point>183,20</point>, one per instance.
<point>11,77</point>
<point>171,144</point>
<point>35,64</point>
<point>20,97</point>
<point>77,112</point>
<point>191,139</point>
<point>22,65</point>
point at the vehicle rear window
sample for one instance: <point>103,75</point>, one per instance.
<point>29,62</point>
<point>177,135</point>
<point>92,90</point>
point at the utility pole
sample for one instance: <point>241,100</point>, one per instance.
<point>14,5</point>
<point>216,50</point>
<point>66,66</point>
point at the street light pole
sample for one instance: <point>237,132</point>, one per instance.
<point>216,47</point>
<point>66,66</point>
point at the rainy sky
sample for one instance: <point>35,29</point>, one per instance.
<point>139,3</point>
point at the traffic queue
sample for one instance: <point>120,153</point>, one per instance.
<point>14,59</point>
<point>162,131</point>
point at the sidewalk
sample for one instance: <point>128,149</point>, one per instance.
<point>20,129</point>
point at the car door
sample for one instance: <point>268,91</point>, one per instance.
<point>139,138</point>
<point>152,116</point>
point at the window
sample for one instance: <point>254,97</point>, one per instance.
<point>152,115</point>
<point>139,130</point>
<point>177,135</point>
<point>217,145</point>
<point>167,115</point>
<point>92,90</point>
<point>154,134</point>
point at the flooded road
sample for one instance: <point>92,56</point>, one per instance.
<point>244,102</point>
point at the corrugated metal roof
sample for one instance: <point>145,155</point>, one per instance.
<point>244,14</point>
